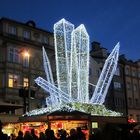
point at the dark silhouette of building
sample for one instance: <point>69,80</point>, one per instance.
<point>20,63</point>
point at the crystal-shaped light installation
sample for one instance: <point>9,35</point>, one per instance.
<point>62,36</point>
<point>106,77</point>
<point>59,94</point>
<point>72,67</point>
<point>80,64</point>
<point>47,67</point>
<point>52,99</point>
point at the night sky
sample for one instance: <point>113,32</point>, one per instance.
<point>107,21</point>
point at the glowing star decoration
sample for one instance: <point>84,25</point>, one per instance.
<point>72,69</point>
<point>106,77</point>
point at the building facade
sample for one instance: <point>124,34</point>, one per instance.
<point>20,63</point>
<point>132,86</point>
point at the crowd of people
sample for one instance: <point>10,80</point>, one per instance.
<point>109,133</point>
<point>75,134</point>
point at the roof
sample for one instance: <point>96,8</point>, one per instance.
<point>74,112</point>
<point>25,24</point>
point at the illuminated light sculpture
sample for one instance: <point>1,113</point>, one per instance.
<point>106,77</point>
<point>52,99</point>
<point>79,64</point>
<point>72,67</point>
<point>62,36</point>
<point>54,91</point>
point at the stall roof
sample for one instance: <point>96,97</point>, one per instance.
<point>74,112</point>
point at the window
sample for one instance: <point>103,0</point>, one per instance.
<point>136,102</point>
<point>12,30</point>
<point>130,101</point>
<point>26,34</point>
<point>127,71</point>
<point>133,73</point>
<point>128,86</point>
<point>117,85</point>
<point>94,124</point>
<point>26,61</point>
<point>139,74</point>
<point>13,55</point>
<point>25,82</point>
<point>117,72</point>
<point>135,87</point>
<point>116,101</point>
<point>13,80</point>
<point>45,39</point>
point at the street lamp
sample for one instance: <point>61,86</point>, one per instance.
<point>27,54</point>
<point>25,91</point>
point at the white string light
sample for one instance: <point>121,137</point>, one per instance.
<point>72,68</point>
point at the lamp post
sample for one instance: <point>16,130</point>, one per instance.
<point>27,58</point>
<point>26,86</point>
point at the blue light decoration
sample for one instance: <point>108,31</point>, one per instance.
<point>72,69</point>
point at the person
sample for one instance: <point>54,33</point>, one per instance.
<point>42,136</point>
<point>47,134</point>
<point>28,136</point>
<point>33,134</point>
<point>63,135</point>
<point>80,134</point>
<point>135,135</point>
<point>73,135</point>
<point>52,136</point>
<point>20,136</point>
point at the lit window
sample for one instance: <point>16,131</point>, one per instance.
<point>13,80</point>
<point>12,30</point>
<point>25,82</point>
<point>94,124</point>
<point>117,85</point>
<point>26,34</point>
<point>13,55</point>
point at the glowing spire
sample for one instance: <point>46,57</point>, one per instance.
<point>47,67</point>
<point>62,36</point>
<point>80,64</point>
<point>106,77</point>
